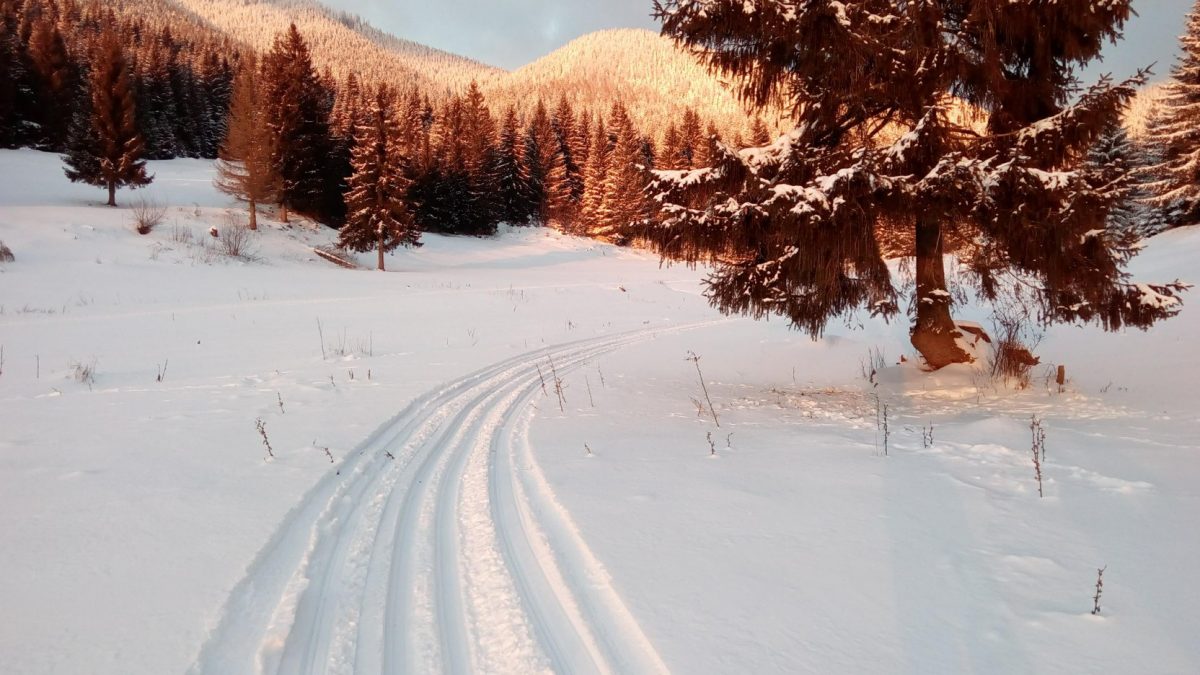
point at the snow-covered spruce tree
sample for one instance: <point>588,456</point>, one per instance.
<point>1173,134</point>
<point>793,229</point>
<point>298,114</point>
<point>377,216</point>
<point>1116,162</point>
<point>245,169</point>
<point>105,145</point>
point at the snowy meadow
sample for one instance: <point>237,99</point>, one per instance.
<point>498,457</point>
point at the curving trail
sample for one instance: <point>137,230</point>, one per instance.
<point>450,555</point>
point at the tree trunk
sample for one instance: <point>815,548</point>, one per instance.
<point>934,333</point>
<point>112,193</point>
<point>381,269</point>
<point>283,213</point>
<point>253,215</point>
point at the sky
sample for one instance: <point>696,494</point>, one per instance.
<point>512,33</point>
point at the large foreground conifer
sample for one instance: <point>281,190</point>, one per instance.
<point>876,89</point>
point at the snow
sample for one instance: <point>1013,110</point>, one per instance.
<point>463,526</point>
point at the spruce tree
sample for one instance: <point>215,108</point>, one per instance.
<point>596,176</point>
<point>1114,163</point>
<point>691,141</point>
<point>545,164</point>
<point>672,149</point>
<point>105,146</point>
<point>298,113</point>
<point>245,169</point>
<point>760,136</point>
<point>566,181</point>
<point>622,202</point>
<point>1174,135</point>
<point>798,230</point>
<point>377,216</point>
<point>514,200</point>
<point>51,62</point>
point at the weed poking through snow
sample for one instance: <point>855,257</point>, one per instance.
<point>694,358</point>
<point>1099,590</point>
<point>262,431</point>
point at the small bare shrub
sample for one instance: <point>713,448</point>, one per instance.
<point>238,241</point>
<point>6,254</point>
<point>1012,357</point>
<point>84,373</point>
<point>147,215</point>
<point>182,234</point>
<point>874,362</point>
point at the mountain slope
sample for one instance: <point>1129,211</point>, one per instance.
<point>341,41</point>
<point>653,77</point>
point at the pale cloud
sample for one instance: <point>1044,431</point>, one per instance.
<point>505,33</point>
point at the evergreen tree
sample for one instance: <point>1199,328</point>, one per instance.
<point>298,114</point>
<point>596,182</point>
<point>9,64</point>
<point>760,136</point>
<point>1114,164</point>
<point>377,216</point>
<point>545,164</point>
<point>622,202</point>
<point>691,141</point>
<point>245,168</point>
<point>796,231</point>
<point>566,181</point>
<point>51,62</point>
<point>709,152</point>
<point>672,149</point>
<point>1174,134</point>
<point>514,201</point>
<point>105,148</point>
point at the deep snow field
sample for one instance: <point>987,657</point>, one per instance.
<point>467,524</point>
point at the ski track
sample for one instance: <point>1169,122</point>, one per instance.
<point>436,546</point>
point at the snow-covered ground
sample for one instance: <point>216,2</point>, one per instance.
<point>465,523</point>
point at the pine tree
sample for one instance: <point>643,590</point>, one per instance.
<point>709,152</point>
<point>545,164</point>
<point>1115,163</point>
<point>515,204</point>
<point>1174,134</point>
<point>760,136</point>
<point>51,62</point>
<point>672,149</point>
<point>245,168</point>
<point>298,114</point>
<point>797,230</point>
<point>596,182</point>
<point>622,203</point>
<point>566,183</point>
<point>106,145</point>
<point>691,141</point>
<point>377,214</point>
